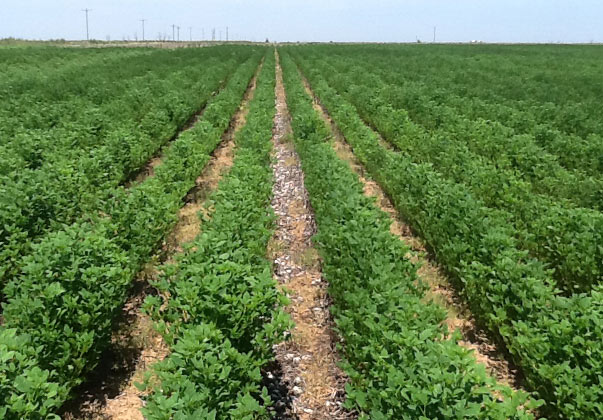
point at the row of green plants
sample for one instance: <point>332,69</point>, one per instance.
<point>564,237</point>
<point>60,309</point>
<point>559,86</point>
<point>50,91</point>
<point>37,201</point>
<point>78,93</point>
<point>218,306</point>
<point>40,128</point>
<point>555,340</point>
<point>25,69</point>
<point>488,138</point>
<point>141,97</point>
<point>24,58</point>
<point>78,133</point>
<point>401,359</point>
<point>573,152</point>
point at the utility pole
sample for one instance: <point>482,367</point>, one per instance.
<point>202,34</point>
<point>178,27</point>
<point>213,34</point>
<point>434,34</point>
<point>87,32</point>
<point>143,21</point>
<point>190,30</point>
<point>173,32</point>
<point>227,34</point>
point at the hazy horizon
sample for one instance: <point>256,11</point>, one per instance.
<point>511,21</point>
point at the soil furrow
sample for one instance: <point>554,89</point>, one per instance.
<point>440,290</point>
<point>307,362</point>
<point>112,393</point>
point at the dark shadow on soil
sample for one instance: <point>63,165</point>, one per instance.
<point>117,364</point>
<point>278,389</point>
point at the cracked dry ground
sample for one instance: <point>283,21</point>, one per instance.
<point>308,361</point>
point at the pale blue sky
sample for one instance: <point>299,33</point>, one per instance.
<point>311,20</point>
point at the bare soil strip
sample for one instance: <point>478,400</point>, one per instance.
<point>308,361</point>
<point>441,292</point>
<point>112,393</point>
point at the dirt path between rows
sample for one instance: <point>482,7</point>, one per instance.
<point>112,393</point>
<point>441,291</point>
<point>308,362</point>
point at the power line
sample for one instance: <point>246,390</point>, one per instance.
<point>87,31</point>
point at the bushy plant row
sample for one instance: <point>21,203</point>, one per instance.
<point>53,96</point>
<point>29,68</point>
<point>59,314</point>
<point>402,361</point>
<point>559,86</point>
<point>572,151</point>
<point>564,237</point>
<point>39,200</point>
<point>557,341</point>
<point>583,154</point>
<point>25,59</point>
<point>553,126</point>
<point>39,127</point>
<point>219,307</point>
<point>520,149</point>
<point>487,138</point>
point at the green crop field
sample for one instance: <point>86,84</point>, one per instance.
<point>489,155</point>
